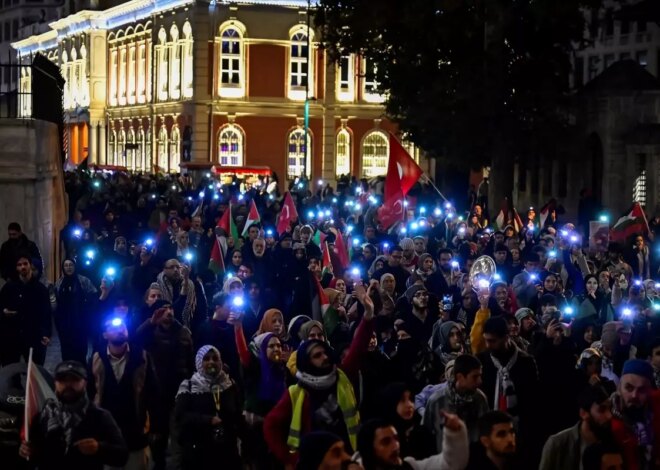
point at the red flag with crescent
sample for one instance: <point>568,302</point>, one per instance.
<point>287,214</point>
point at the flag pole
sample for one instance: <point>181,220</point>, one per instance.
<point>428,180</point>
<point>27,400</point>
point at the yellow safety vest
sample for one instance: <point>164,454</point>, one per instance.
<point>345,399</point>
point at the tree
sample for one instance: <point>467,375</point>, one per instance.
<point>472,82</point>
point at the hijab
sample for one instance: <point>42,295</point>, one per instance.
<point>201,382</point>
<point>266,325</point>
<point>272,380</point>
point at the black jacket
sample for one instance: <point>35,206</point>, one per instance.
<point>50,448</point>
<point>32,302</point>
<point>11,248</point>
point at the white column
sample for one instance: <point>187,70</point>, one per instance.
<point>102,145</point>
<point>93,155</point>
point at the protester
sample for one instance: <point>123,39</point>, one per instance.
<point>497,445</point>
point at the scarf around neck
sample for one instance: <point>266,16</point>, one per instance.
<point>65,417</point>
<point>316,382</point>
<point>167,288</point>
<point>505,390</point>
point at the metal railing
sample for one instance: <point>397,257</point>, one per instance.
<point>15,91</point>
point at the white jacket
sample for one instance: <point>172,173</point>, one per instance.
<point>454,456</point>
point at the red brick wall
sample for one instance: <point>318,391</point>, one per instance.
<point>267,71</point>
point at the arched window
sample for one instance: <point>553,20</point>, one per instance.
<point>300,72</point>
<point>162,149</point>
<point>148,162</point>
<point>140,163</point>
<point>375,151</point>
<point>131,153</point>
<point>343,158</point>
<point>111,158</point>
<point>230,146</point>
<point>163,65</point>
<point>141,73</point>
<point>175,150</point>
<point>232,83</point>
<point>175,65</point>
<point>84,79</point>
<point>131,74</point>
<point>121,148</point>
<point>113,77</point>
<point>122,75</point>
<point>298,158</point>
<point>187,53</point>
<point>66,94</point>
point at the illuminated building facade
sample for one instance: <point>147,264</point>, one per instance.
<point>154,83</point>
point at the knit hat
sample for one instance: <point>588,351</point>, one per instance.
<point>303,362</point>
<point>407,244</point>
<point>412,290</point>
<point>638,367</point>
<point>313,447</point>
<point>523,313</point>
<point>199,357</point>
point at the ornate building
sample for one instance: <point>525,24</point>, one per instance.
<point>154,83</point>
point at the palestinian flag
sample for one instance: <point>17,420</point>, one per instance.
<point>545,213</point>
<point>219,249</point>
<point>632,223</point>
<point>37,393</point>
<point>340,249</point>
<point>508,216</point>
<point>326,255</point>
<point>320,302</point>
<point>252,218</point>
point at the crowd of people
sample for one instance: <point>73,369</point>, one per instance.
<point>333,343</point>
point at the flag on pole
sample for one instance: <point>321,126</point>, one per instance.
<point>545,213</point>
<point>252,218</point>
<point>326,255</point>
<point>287,214</point>
<point>219,249</point>
<point>341,250</point>
<point>320,301</point>
<point>631,223</point>
<point>37,393</point>
<point>402,171</point>
<point>198,210</point>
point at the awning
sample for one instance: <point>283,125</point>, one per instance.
<point>242,170</point>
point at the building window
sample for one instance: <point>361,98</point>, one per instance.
<point>131,152</point>
<point>231,64</point>
<point>25,96</point>
<point>111,158</point>
<point>187,53</point>
<point>131,75</point>
<point>141,72</point>
<point>639,185</point>
<point>148,162</point>
<point>175,63</point>
<point>345,79</point>
<point>594,62</point>
<point>370,84</point>
<point>84,79</point>
<point>298,157</point>
<point>122,76</point>
<point>140,164</point>
<point>113,77</point>
<point>642,58</point>
<point>163,67</point>
<point>162,149</point>
<point>121,148</point>
<point>609,60</point>
<point>175,150</point>
<point>343,159</point>
<point>375,151</point>
<point>64,70</point>
<point>300,72</point>
<point>230,146</point>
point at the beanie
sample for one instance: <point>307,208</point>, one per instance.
<point>523,313</point>
<point>407,244</point>
<point>638,367</point>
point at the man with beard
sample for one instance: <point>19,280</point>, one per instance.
<point>170,347</point>
<point>177,288</point>
<point>25,316</point>
<point>461,396</point>
<point>323,400</point>
<point>636,408</point>
<point>394,268</point>
<point>564,450</point>
<point>510,381</point>
<point>497,443</point>
<point>72,433</point>
<point>419,319</point>
<point>379,448</point>
<point>443,281</point>
<point>18,243</point>
<point>524,284</point>
<point>123,383</point>
<point>324,451</point>
<point>261,262</point>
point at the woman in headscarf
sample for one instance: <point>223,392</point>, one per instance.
<point>233,261</point>
<point>265,373</point>
<point>74,295</point>
<point>387,294</point>
<point>550,285</point>
<point>447,341</point>
<point>379,263</point>
<point>397,407</point>
<point>425,267</point>
<point>594,304</point>
<point>294,328</point>
<point>208,414</point>
<point>233,286</point>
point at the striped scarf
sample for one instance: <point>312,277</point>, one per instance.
<point>505,390</point>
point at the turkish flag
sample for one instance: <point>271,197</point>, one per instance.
<point>391,211</point>
<point>287,215</point>
<point>402,171</point>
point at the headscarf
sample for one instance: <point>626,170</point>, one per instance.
<point>307,327</point>
<point>201,382</point>
<point>388,399</point>
<point>294,329</point>
<point>266,325</point>
<point>229,282</point>
<point>372,268</point>
<point>272,380</point>
<point>68,284</point>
